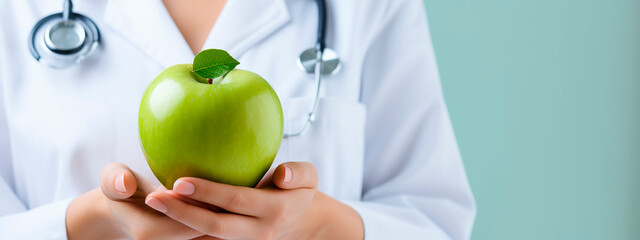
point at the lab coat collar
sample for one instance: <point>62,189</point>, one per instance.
<point>244,23</point>
<point>148,25</point>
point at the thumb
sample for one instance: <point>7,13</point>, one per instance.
<point>292,175</point>
<point>118,181</point>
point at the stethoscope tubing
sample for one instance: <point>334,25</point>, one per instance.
<point>322,25</point>
<point>319,65</point>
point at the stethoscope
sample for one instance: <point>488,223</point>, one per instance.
<point>64,39</point>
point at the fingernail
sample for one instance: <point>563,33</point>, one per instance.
<point>183,187</point>
<point>119,183</point>
<point>287,174</point>
<point>156,204</point>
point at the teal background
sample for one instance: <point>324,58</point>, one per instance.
<point>544,96</point>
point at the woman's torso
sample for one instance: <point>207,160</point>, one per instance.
<point>66,125</point>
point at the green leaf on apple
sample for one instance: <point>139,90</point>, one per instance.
<point>213,63</point>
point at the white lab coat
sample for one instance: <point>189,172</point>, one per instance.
<point>382,143</point>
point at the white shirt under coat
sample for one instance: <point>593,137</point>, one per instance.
<point>382,143</point>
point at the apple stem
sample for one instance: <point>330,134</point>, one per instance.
<point>215,81</point>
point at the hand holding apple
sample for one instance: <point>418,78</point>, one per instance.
<point>117,210</point>
<point>209,121</point>
<point>289,207</point>
<point>211,133</point>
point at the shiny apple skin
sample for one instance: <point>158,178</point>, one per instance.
<point>228,133</point>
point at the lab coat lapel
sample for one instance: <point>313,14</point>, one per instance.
<point>148,25</point>
<point>243,23</point>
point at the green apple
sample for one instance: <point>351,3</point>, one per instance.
<point>226,130</point>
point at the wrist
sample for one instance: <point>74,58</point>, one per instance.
<point>337,220</point>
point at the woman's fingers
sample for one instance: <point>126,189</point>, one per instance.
<point>140,222</point>
<point>221,225</point>
<point>206,237</point>
<point>242,200</point>
<point>294,175</point>
<point>249,201</point>
<point>118,182</point>
<point>266,180</point>
<point>194,202</point>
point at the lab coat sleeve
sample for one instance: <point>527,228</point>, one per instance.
<point>16,220</point>
<point>414,185</point>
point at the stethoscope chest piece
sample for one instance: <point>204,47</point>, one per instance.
<point>331,61</point>
<point>64,39</point>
